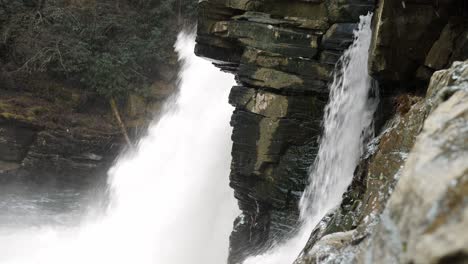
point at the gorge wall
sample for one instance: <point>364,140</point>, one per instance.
<point>61,62</point>
<point>282,54</point>
<point>52,131</point>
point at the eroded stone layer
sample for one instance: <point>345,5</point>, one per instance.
<point>283,54</point>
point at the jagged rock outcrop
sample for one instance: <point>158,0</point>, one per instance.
<point>408,201</point>
<point>283,54</point>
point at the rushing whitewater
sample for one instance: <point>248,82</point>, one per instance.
<point>347,123</point>
<point>170,201</point>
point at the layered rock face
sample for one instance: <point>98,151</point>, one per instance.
<point>283,54</point>
<point>45,141</point>
<point>50,131</point>
<point>411,40</point>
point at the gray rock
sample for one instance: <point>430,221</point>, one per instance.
<point>429,207</point>
<point>423,218</point>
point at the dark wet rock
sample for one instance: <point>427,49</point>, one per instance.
<point>445,50</point>
<point>70,156</point>
<point>344,11</point>
<point>271,38</point>
<point>39,154</point>
<point>283,54</point>
<point>339,36</point>
<point>330,57</point>
<point>293,65</point>
<point>44,140</point>
<point>15,139</point>
<point>405,32</point>
<point>318,23</point>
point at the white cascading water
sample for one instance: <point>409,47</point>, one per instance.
<point>170,199</point>
<point>347,123</point>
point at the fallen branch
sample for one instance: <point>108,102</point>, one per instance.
<point>115,110</point>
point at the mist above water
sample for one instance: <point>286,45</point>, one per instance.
<point>347,123</point>
<point>170,201</point>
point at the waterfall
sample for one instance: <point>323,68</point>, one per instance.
<point>170,201</point>
<point>347,122</point>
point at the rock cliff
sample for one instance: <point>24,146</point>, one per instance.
<point>60,63</point>
<point>282,54</point>
<point>52,131</point>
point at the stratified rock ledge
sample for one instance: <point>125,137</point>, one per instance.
<point>282,54</point>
